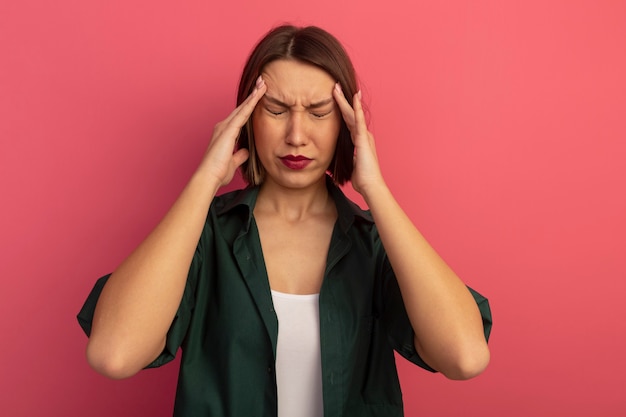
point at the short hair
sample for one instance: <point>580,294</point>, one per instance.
<point>310,45</point>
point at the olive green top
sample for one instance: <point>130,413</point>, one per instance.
<point>227,327</point>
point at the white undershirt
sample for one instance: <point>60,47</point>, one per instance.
<point>298,357</point>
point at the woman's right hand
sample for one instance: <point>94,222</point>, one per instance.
<point>220,162</point>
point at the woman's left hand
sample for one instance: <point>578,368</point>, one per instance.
<point>366,174</point>
<point>447,323</point>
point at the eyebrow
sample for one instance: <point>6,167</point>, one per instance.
<point>316,105</point>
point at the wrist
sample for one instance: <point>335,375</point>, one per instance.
<point>206,180</point>
<point>373,191</point>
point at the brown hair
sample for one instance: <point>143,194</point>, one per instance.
<point>310,45</point>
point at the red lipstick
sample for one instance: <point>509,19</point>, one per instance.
<point>295,162</point>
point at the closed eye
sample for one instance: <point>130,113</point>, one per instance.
<point>274,111</point>
<point>320,115</point>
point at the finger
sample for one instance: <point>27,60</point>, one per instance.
<point>240,156</point>
<point>359,115</point>
<point>242,113</point>
<point>347,112</point>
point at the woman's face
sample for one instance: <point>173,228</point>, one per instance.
<point>296,123</point>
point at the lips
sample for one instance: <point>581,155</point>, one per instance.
<point>295,162</point>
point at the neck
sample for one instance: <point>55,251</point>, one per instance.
<point>294,203</point>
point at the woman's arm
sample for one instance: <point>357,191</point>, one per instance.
<point>447,323</point>
<point>140,299</point>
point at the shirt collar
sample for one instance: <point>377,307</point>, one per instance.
<point>347,210</point>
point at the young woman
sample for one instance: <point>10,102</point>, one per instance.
<point>286,298</point>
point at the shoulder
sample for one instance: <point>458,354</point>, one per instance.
<point>227,200</point>
<point>230,213</point>
<point>237,200</point>
<point>348,211</point>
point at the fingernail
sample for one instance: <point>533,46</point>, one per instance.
<point>338,87</point>
<point>259,81</point>
<point>358,93</point>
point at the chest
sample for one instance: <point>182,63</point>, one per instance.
<point>295,254</point>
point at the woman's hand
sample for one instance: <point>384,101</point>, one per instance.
<point>444,316</point>
<point>220,162</point>
<point>140,299</point>
<point>366,174</point>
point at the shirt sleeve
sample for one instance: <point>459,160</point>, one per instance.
<point>85,315</point>
<point>178,329</point>
<point>399,328</point>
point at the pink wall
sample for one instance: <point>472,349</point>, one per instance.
<point>500,126</point>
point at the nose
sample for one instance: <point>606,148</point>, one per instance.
<point>296,131</point>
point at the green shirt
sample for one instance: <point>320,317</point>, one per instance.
<point>227,327</point>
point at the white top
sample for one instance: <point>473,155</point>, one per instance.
<point>298,355</point>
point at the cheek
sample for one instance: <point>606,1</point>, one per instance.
<point>265,126</point>
<point>260,129</point>
<point>267,136</point>
<point>331,132</point>
<point>257,123</point>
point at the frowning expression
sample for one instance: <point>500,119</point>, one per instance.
<point>296,124</point>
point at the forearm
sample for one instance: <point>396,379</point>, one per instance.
<point>444,315</point>
<point>140,299</point>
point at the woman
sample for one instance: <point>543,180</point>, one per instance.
<point>287,299</point>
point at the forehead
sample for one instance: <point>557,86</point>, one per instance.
<point>297,82</point>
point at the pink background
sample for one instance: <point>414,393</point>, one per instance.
<point>501,128</point>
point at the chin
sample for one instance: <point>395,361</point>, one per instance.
<point>298,179</point>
